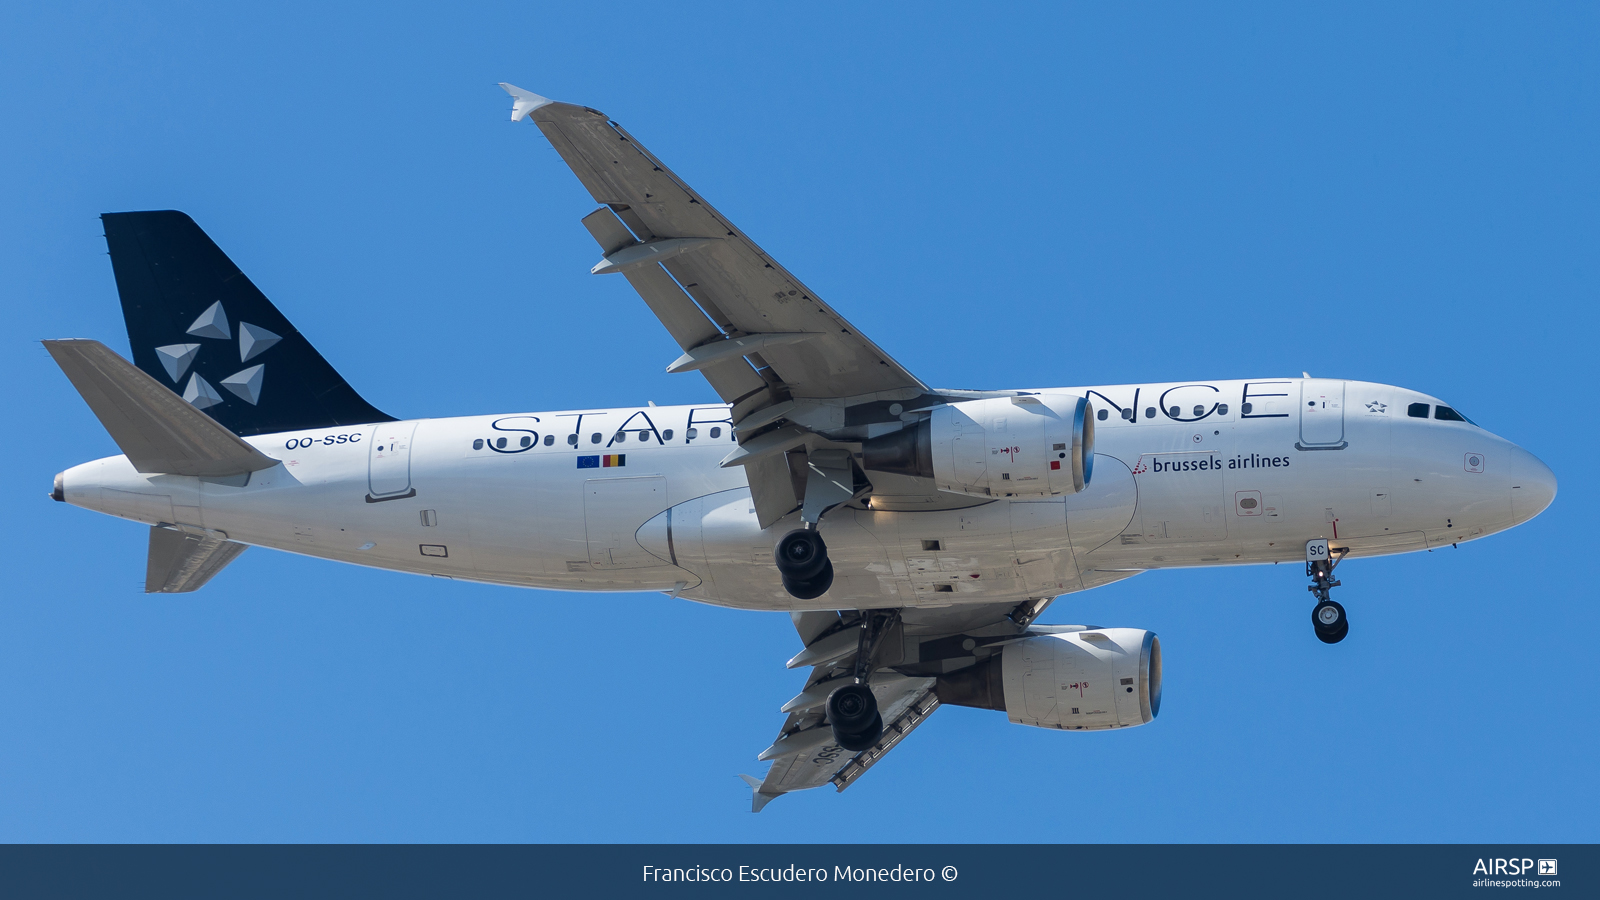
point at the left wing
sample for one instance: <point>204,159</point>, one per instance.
<point>810,349</point>
<point>798,375</point>
<point>904,680</point>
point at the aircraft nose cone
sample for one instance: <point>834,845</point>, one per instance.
<point>1533,487</point>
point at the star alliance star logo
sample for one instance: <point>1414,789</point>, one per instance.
<point>1376,407</point>
<point>213,325</point>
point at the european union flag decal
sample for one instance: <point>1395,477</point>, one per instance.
<point>588,462</point>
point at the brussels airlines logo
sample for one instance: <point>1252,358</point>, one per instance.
<point>1206,462</point>
<point>212,324</point>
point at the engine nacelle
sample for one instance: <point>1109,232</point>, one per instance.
<point>1079,681</point>
<point>1029,446</point>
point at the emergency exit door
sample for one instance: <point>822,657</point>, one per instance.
<point>1321,415</point>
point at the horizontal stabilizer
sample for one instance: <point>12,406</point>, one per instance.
<point>181,561</point>
<point>157,430</point>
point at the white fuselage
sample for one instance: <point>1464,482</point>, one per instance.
<point>1190,479</point>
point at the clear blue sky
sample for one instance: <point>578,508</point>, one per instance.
<point>1045,195</point>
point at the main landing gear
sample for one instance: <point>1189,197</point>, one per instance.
<point>1327,617</point>
<point>801,555</point>
<point>803,563</point>
<point>853,708</point>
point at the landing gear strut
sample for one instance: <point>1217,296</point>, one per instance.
<point>1327,617</point>
<point>853,708</point>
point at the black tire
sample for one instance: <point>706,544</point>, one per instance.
<point>811,588</point>
<point>851,708</point>
<point>858,741</point>
<point>1334,637</point>
<point>800,555</point>
<point>1329,621</point>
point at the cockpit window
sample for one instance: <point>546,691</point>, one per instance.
<point>1446,414</point>
<point>1417,410</point>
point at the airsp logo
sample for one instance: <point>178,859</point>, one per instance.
<point>1547,867</point>
<point>213,325</point>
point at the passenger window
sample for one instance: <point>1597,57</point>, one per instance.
<point>500,442</point>
<point>572,440</point>
<point>644,436</point>
<point>1417,410</point>
<point>666,435</point>
<point>527,441</point>
<point>549,439</point>
<point>1199,411</point>
<point>1222,409</point>
<point>1102,415</point>
<point>716,432</point>
<point>1175,412</point>
<point>1149,412</point>
<point>1244,408</point>
<point>1128,414</point>
<point>1446,414</point>
<point>594,438</point>
<point>477,444</point>
<point>691,433</point>
<point>621,438</point>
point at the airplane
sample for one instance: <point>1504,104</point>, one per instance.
<point>913,534</point>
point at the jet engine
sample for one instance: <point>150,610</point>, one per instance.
<point>1078,681</point>
<point>1026,446</point>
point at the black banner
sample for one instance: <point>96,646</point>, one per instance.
<point>653,870</point>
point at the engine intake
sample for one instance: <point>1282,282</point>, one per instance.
<point>1029,446</point>
<point>1079,681</point>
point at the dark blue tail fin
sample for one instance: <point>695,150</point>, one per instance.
<point>199,326</point>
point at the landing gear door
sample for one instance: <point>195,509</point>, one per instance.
<point>1321,415</point>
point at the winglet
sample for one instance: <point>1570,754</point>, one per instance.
<point>757,798</point>
<point>526,101</point>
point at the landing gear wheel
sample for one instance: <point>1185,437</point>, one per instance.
<point>853,712</point>
<point>863,739</point>
<point>1329,622</point>
<point>811,588</point>
<point>801,555</point>
<point>852,707</point>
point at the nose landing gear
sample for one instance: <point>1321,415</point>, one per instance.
<point>1329,621</point>
<point>1328,618</point>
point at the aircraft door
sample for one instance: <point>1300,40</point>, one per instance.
<point>614,509</point>
<point>1180,497</point>
<point>389,461</point>
<point>1321,415</point>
